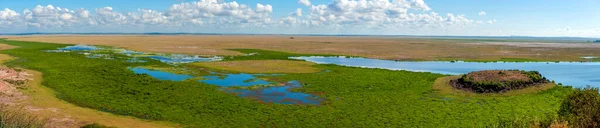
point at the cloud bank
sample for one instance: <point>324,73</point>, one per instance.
<point>338,16</point>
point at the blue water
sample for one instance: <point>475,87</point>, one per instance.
<point>269,94</point>
<point>80,48</point>
<point>174,59</point>
<point>241,80</point>
<point>170,59</point>
<point>279,94</point>
<point>577,74</point>
<point>160,74</point>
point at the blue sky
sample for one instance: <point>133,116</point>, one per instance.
<point>502,17</point>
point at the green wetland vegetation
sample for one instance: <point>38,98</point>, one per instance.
<point>354,97</point>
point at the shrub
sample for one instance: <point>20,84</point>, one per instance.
<point>17,118</point>
<point>96,125</point>
<point>582,108</point>
<point>498,80</point>
<point>537,123</point>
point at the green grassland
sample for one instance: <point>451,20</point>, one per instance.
<point>355,97</point>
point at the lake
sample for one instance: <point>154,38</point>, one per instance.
<point>576,74</point>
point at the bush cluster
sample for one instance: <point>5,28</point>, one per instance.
<point>582,108</point>
<point>469,83</point>
<point>18,118</point>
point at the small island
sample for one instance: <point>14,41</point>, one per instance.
<point>498,81</point>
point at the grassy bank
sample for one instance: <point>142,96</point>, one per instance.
<point>355,97</point>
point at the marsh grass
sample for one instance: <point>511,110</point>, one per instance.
<point>355,97</point>
<point>19,118</point>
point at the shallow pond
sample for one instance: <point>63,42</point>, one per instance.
<point>80,48</point>
<point>241,80</point>
<point>589,57</point>
<point>160,74</point>
<point>96,52</point>
<point>577,74</point>
<point>281,94</point>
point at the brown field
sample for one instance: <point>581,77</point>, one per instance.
<point>262,66</point>
<point>372,47</point>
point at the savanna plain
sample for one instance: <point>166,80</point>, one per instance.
<point>74,89</point>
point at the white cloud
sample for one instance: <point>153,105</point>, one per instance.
<point>107,16</point>
<point>304,2</point>
<point>337,16</point>
<point>230,12</point>
<point>491,21</point>
<point>145,16</point>
<point>264,8</point>
<point>482,13</point>
<point>382,14</point>
<point>354,11</point>
<point>297,13</point>
<point>420,4</point>
<point>7,16</point>
<point>54,17</point>
<point>66,16</point>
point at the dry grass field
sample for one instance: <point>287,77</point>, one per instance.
<point>262,66</point>
<point>373,47</point>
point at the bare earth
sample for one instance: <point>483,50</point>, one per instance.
<point>372,47</point>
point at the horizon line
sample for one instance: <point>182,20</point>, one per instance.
<point>186,33</point>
